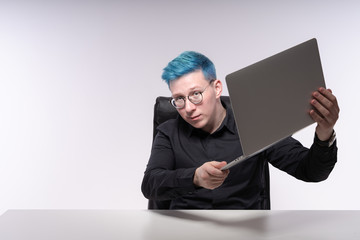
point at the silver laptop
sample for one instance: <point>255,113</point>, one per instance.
<point>271,98</point>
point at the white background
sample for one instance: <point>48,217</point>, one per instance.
<point>78,80</point>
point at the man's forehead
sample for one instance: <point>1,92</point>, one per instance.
<point>187,83</point>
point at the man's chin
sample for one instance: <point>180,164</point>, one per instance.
<point>197,124</point>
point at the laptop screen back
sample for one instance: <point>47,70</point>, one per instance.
<point>271,98</point>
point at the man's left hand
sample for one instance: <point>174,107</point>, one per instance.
<point>325,113</point>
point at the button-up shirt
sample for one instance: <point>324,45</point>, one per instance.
<point>178,149</point>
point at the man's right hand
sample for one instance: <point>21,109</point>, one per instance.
<point>209,175</point>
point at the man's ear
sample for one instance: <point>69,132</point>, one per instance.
<point>218,88</point>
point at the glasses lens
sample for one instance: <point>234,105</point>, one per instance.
<point>196,97</point>
<point>178,103</point>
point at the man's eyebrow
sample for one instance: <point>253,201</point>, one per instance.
<point>190,91</point>
<point>178,96</point>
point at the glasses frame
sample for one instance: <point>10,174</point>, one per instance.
<point>172,101</point>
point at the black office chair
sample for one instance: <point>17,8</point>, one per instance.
<point>163,111</point>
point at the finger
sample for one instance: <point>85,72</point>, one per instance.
<point>329,94</point>
<point>319,107</point>
<point>215,168</point>
<point>322,115</point>
<point>326,97</point>
<point>317,117</point>
<point>328,101</point>
<point>217,181</point>
<point>212,173</point>
<point>218,175</point>
<point>218,164</point>
<point>322,100</point>
<point>216,184</point>
<point>324,107</point>
<point>227,171</point>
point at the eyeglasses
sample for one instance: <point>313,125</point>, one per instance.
<point>195,98</point>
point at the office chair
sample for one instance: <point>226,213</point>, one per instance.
<point>163,111</point>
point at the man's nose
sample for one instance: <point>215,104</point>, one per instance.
<point>189,106</point>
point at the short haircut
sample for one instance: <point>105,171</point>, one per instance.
<point>188,62</point>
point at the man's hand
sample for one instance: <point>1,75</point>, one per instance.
<point>325,113</point>
<point>209,175</point>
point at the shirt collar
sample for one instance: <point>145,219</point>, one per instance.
<point>229,121</point>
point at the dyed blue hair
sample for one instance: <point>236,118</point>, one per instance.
<point>188,62</point>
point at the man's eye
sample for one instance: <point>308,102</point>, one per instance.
<point>196,94</point>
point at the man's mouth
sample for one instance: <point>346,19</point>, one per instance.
<point>193,118</point>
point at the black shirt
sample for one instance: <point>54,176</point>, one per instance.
<point>178,149</point>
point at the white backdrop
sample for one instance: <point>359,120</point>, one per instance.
<point>78,80</point>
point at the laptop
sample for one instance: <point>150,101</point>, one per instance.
<point>271,98</point>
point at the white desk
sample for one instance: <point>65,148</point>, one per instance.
<point>173,225</point>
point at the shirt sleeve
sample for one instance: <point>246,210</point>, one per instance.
<point>161,180</point>
<point>310,165</point>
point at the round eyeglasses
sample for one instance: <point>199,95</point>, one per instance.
<point>195,98</point>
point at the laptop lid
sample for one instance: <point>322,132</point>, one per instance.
<point>271,98</point>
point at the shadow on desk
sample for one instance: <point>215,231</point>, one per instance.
<point>217,224</point>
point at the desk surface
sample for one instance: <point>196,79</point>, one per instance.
<point>172,225</point>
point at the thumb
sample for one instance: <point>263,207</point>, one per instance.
<point>217,164</point>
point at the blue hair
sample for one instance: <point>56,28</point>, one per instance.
<point>188,62</point>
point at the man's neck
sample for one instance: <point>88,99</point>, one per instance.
<point>220,116</point>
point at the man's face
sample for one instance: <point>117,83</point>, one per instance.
<point>198,115</point>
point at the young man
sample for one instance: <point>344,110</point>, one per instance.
<point>188,152</point>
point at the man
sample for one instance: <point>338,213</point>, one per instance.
<point>188,152</point>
